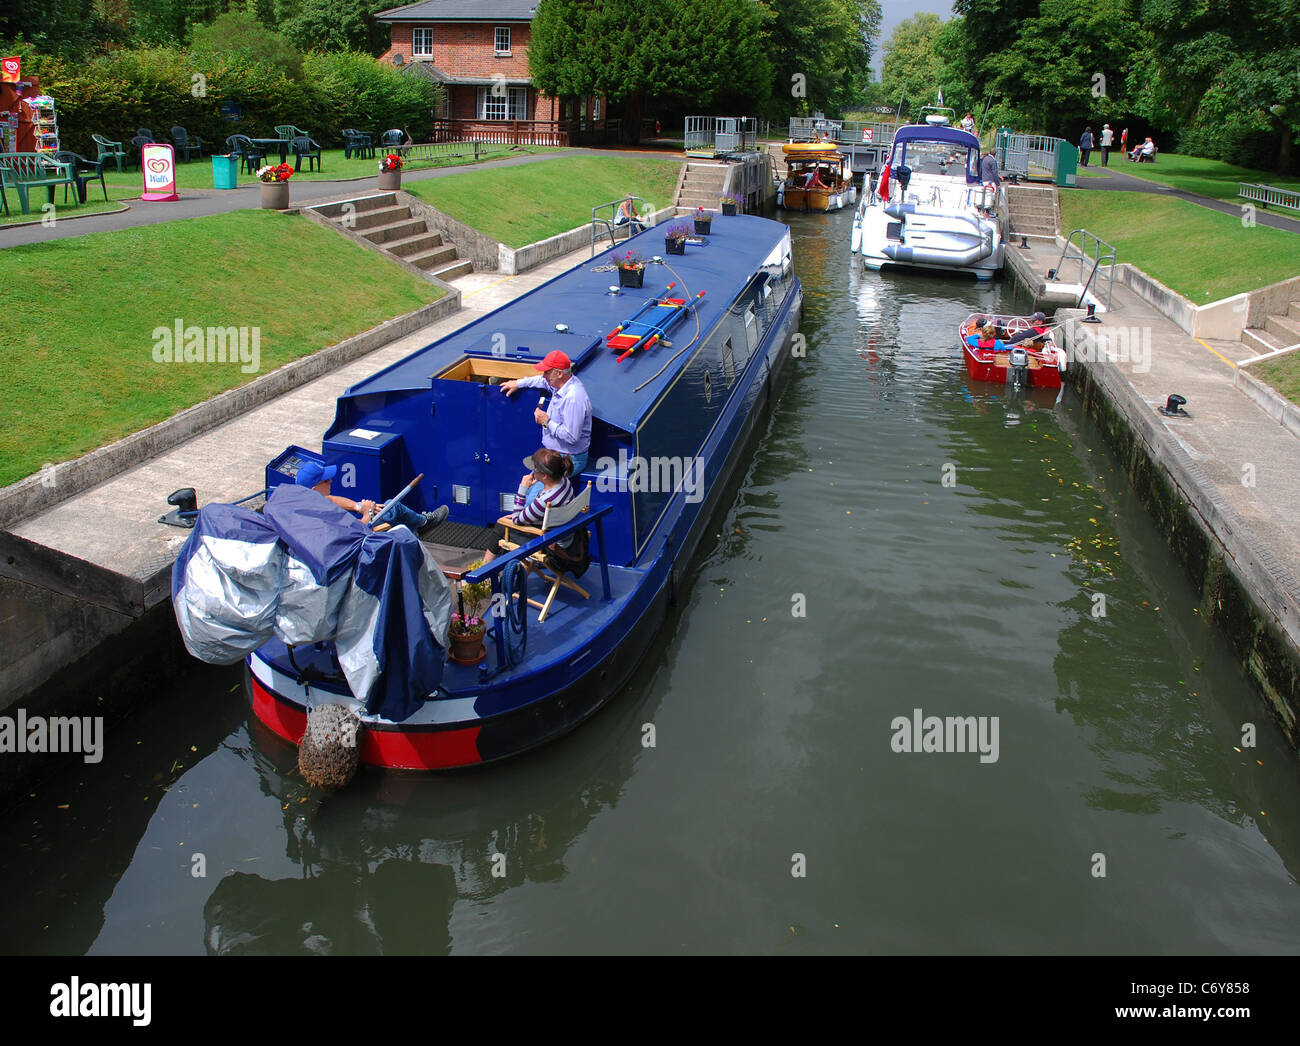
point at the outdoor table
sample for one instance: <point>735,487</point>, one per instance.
<point>281,145</point>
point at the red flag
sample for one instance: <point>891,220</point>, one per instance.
<point>883,187</point>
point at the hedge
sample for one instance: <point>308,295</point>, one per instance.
<point>161,87</point>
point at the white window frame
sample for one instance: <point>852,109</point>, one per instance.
<point>595,109</point>
<point>418,33</point>
<point>496,40</point>
<point>513,106</point>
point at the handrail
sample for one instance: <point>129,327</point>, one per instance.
<point>1082,256</point>
<point>610,224</point>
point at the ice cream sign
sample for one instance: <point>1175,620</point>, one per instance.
<point>10,69</point>
<point>158,162</point>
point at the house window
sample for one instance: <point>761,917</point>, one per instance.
<point>421,43</point>
<point>503,39</point>
<point>595,109</point>
<point>513,105</point>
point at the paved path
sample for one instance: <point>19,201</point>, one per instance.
<point>1250,458</point>
<point>197,203</point>
<point>1123,182</point>
<point>228,462</point>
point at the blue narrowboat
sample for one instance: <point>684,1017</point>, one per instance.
<point>710,334</point>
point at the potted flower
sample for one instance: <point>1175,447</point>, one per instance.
<point>703,221</point>
<point>631,269</point>
<point>275,186</point>
<point>468,626</point>
<point>675,238</point>
<point>390,171</point>
<point>731,202</point>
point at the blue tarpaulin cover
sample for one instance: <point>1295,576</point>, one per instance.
<point>307,571</point>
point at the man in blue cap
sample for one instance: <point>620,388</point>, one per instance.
<point>318,476</point>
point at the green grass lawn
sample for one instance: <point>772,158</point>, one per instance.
<point>79,350</point>
<point>521,205</point>
<point>1211,178</point>
<point>1201,254</point>
<point>61,210</point>
<point>1283,374</point>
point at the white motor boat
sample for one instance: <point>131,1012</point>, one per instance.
<point>928,209</point>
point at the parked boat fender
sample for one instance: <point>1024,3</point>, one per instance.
<point>855,241</point>
<point>898,253</point>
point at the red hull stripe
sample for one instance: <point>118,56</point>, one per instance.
<point>397,749</point>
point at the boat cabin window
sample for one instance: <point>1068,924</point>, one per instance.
<point>728,363</point>
<point>939,158</point>
<point>485,370</point>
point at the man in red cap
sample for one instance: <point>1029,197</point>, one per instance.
<point>566,421</point>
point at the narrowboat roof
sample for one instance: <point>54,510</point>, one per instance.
<point>936,133</point>
<point>524,330</point>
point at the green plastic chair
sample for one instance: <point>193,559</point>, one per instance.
<point>288,132</point>
<point>107,148</point>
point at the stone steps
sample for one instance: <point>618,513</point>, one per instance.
<point>1260,341</point>
<point>1284,327</point>
<point>389,225</point>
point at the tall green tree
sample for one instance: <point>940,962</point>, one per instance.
<point>678,51</point>
<point>338,25</point>
<point>915,68</point>
<point>820,52</point>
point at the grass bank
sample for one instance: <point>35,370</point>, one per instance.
<point>521,205</point>
<point>1212,178</point>
<point>1201,254</point>
<point>1283,374</point>
<point>79,351</point>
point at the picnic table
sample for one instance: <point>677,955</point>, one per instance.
<point>25,171</point>
<point>281,145</point>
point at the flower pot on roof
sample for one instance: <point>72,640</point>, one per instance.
<point>390,172</point>
<point>631,269</point>
<point>275,186</point>
<point>703,221</point>
<point>731,202</point>
<point>675,238</point>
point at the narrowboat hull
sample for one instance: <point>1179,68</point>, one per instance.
<point>481,716</point>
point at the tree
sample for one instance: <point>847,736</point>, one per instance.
<point>912,67</point>
<point>339,25</point>
<point>820,52</point>
<point>241,36</point>
<point>633,50</point>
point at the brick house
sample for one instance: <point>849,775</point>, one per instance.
<point>478,49</point>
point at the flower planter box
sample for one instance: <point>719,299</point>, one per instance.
<point>275,196</point>
<point>702,228</point>
<point>728,208</point>
<point>631,277</point>
<point>675,246</point>
<point>390,179</point>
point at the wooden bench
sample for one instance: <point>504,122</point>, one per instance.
<point>25,171</point>
<point>1266,194</point>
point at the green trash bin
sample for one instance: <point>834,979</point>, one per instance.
<point>1067,163</point>
<point>225,172</point>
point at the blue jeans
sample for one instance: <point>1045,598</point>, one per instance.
<point>579,462</point>
<point>401,516</point>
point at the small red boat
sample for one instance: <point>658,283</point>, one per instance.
<point>1012,350</point>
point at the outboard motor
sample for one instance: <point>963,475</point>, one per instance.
<point>904,175</point>
<point>1019,371</point>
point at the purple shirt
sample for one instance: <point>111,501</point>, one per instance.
<point>569,429</point>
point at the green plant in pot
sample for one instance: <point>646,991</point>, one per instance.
<point>469,623</point>
<point>703,221</point>
<point>731,202</point>
<point>675,238</point>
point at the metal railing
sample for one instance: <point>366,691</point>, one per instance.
<point>604,220</point>
<point>1028,155</point>
<point>435,151</point>
<point>1083,255</point>
<point>504,132</point>
<point>712,135</point>
<point>856,132</point>
<point>1266,194</point>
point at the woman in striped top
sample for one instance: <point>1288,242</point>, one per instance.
<point>546,483</point>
